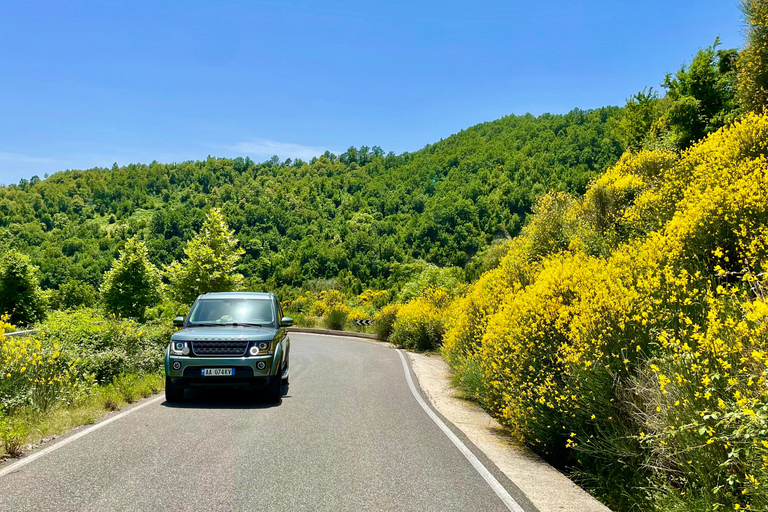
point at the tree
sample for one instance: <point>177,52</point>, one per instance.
<point>752,64</point>
<point>640,112</point>
<point>20,294</point>
<point>212,258</point>
<point>702,96</point>
<point>73,294</point>
<point>133,283</point>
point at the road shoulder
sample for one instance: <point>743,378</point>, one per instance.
<point>546,488</point>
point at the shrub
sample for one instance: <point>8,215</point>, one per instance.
<point>326,300</point>
<point>20,295</point>
<point>644,369</point>
<point>752,63</point>
<point>14,435</point>
<point>376,298</point>
<point>302,320</point>
<point>384,321</point>
<point>335,317</point>
<point>73,294</point>
<point>419,324</point>
<point>467,317</point>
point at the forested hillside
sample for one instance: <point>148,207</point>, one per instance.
<point>355,218</point>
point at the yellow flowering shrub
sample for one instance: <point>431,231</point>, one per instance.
<point>358,313</point>
<point>419,323</point>
<point>302,303</point>
<point>644,364</point>
<point>369,297</point>
<point>335,316</point>
<point>384,321</point>
<point>327,300</point>
<point>70,353</point>
<point>467,317</point>
<point>33,373</point>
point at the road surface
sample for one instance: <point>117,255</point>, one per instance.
<point>348,435</point>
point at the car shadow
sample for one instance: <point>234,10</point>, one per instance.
<point>226,398</point>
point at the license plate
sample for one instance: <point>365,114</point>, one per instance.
<point>217,372</point>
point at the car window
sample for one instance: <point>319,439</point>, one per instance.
<point>257,311</point>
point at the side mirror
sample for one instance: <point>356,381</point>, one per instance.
<point>286,321</point>
<point>178,321</point>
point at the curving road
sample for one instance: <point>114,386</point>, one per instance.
<point>348,435</point>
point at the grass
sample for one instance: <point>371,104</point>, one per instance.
<point>29,426</point>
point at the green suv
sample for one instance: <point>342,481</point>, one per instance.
<point>229,339</point>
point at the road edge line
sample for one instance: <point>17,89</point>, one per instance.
<point>31,458</point>
<point>491,480</point>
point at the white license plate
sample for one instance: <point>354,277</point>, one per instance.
<point>217,372</point>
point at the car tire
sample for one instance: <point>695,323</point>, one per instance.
<point>285,380</point>
<point>274,389</point>
<point>173,392</point>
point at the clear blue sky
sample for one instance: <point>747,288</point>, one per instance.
<point>86,84</point>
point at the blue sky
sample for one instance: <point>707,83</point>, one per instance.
<point>86,84</point>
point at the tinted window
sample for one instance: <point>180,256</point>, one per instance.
<point>224,311</point>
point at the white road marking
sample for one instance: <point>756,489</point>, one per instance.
<point>26,460</point>
<point>499,489</point>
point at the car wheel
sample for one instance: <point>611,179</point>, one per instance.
<point>274,390</point>
<point>173,392</point>
<point>285,370</point>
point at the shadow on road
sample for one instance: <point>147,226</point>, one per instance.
<point>225,398</point>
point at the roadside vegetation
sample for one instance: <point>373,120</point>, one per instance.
<point>623,334</point>
<point>77,366</point>
<point>597,281</point>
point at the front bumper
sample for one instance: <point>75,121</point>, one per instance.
<point>186,370</point>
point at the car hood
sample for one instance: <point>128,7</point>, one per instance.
<point>225,333</point>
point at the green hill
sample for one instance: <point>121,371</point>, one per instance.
<point>352,217</point>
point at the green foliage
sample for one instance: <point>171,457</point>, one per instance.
<point>211,263</point>
<point>384,322</point>
<point>752,64</point>
<point>335,317</point>
<point>700,99</point>
<point>20,294</point>
<point>73,294</point>
<point>431,276</point>
<point>640,113</point>
<point>13,434</point>
<point>133,283</point>
<point>702,95</point>
<point>346,219</point>
<point>642,366</point>
<point>419,324</point>
<point>551,227</point>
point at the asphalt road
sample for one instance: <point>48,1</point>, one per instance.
<point>347,435</point>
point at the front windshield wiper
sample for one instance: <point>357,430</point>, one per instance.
<point>205,324</point>
<point>244,324</point>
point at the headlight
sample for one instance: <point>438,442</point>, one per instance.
<point>254,350</point>
<point>263,346</point>
<point>179,348</point>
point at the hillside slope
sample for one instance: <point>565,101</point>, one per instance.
<point>349,217</point>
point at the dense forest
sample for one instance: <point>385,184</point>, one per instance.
<point>357,219</point>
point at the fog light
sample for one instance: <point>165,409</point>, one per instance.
<point>261,365</point>
<point>176,365</point>
<point>254,350</point>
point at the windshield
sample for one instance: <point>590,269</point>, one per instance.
<point>229,311</point>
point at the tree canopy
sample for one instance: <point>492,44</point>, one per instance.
<point>349,218</point>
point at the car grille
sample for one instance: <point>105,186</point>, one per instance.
<point>219,348</point>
